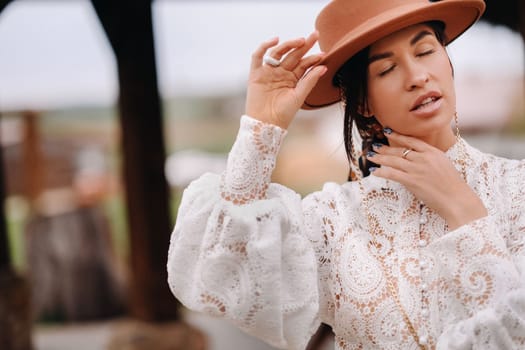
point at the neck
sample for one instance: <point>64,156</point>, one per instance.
<point>440,140</point>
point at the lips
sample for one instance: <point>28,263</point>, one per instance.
<point>425,100</point>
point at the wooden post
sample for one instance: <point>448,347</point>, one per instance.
<point>15,307</point>
<point>128,26</point>
<point>32,157</point>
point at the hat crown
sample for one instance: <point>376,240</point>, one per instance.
<point>342,16</point>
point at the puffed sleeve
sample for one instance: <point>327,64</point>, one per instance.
<point>239,249</point>
<point>500,325</point>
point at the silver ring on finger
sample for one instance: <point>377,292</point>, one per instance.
<point>406,152</point>
<point>271,61</point>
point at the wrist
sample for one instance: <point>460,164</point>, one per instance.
<point>465,209</point>
<point>267,121</point>
<point>251,161</point>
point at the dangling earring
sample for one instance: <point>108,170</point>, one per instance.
<point>462,154</point>
<point>458,135</point>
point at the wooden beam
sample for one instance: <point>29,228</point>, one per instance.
<point>3,4</point>
<point>128,26</point>
<point>522,32</point>
<point>503,13</point>
<point>5,257</point>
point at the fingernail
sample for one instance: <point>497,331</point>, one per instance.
<point>370,154</point>
<point>387,131</point>
<point>372,169</point>
<point>377,145</point>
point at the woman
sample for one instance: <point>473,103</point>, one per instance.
<point>427,252</point>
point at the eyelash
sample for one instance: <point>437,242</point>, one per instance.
<point>386,71</point>
<point>389,69</point>
<point>425,53</point>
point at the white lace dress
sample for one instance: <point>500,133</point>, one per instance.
<point>277,265</point>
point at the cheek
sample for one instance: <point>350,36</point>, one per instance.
<point>383,100</point>
<point>445,68</point>
<point>447,83</point>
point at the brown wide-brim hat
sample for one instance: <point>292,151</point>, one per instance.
<point>348,26</point>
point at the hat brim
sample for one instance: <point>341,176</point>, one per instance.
<point>457,15</point>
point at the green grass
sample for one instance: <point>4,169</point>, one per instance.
<point>15,235</point>
<point>116,212</point>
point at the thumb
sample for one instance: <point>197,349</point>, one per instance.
<point>307,83</point>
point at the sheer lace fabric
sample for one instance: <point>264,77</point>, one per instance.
<point>246,180</point>
<point>277,265</point>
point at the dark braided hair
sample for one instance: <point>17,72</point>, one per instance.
<point>352,81</point>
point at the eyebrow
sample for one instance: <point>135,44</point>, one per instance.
<point>414,41</point>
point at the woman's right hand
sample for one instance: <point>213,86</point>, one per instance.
<point>275,94</point>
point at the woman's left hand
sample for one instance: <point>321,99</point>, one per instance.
<point>430,176</point>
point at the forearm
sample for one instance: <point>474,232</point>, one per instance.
<point>251,161</point>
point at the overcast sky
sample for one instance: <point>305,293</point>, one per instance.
<point>54,53</point>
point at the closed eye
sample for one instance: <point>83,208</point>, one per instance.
<point>425,53</point>
<point>386,71</point>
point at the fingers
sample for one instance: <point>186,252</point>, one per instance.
<point>404,156</point>
<point>305,85</point>
<point>408,142</point>
<point>407,148</point>
<point>391,157</point>
<point>306,63</point>
<point>281,50</point>
<point>295,56</point>
<point>406,161</point>
<point>257,56</point>
<point>292,51</point>
<point>392,174</point>
<point>404,153</point>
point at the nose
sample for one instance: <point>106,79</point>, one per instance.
<point>416,75</point>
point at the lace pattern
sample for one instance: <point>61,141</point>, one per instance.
<point>251,161</point>
<point>277,265</point>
